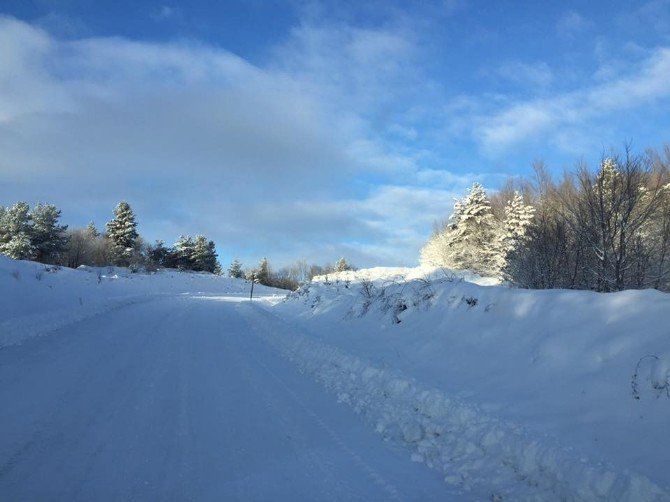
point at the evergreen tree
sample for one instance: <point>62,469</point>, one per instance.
<point>235,269</point>
<point>122,232</point>
<point>518,217</point>
<point>158,254</point>
<point>262,273</point>
<point>182,256</point>
<point>15,232</point>
<point>203,255</point>
<point>470,241</point>
<point>91,231</point>
<point>18,247</point>
<point>46,236</point>
<point>342,265</point>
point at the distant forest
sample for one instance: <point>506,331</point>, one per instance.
<point>37,235</point>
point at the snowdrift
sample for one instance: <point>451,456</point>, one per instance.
<point>566,391</point>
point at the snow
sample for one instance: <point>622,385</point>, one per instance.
<point>550,374</point>
<point>439,384</point>
<point>176,400</point>
<point>38,299</point>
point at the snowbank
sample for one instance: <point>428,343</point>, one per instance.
<point>583,377</point>
<point>400,274</point>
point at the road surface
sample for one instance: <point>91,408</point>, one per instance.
<point>177,399</point>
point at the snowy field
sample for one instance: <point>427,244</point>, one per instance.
<point>38,299</point>
<point>382,384</point>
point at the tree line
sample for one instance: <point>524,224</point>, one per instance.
<point>603,230</point>
<point>289,277</point>
<point>36,235</point>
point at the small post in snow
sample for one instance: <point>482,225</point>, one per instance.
<point>253,279</point>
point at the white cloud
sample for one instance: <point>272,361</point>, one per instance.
<point>263,159</point>
<point>525,120</point>
<point>25,85</point>
<point>388,226</point>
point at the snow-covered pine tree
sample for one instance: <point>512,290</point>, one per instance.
<point>15,232</point>
<point>4,230</point>
<point>470,240</point>
<point>91,231</point>
<point>203,255</point>
<point>46,235</point>
<point>182,257</point>
<point>235,269</point>
<point>518,217</point>
<point>18,247</point>
<point>342,265</point>
<point>122,232</point>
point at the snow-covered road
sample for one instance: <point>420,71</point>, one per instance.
<point>178,399</point>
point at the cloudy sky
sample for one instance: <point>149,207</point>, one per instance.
<point>314,130</point>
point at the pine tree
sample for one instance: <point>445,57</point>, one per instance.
<point>91,231</point>
<point>470,241</point>
<point>122,232</point>
<point>15,232</point>
<point>203,255</point>
<point>342,265</point>
<point>46,236</point>
<point>158,254</point>
<point>235,269</point>
<point>518,217</point>
<point>182,257</point>
<point>262,273</point>
<point>19,247</point>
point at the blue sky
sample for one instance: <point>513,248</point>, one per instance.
<point>315,130</point>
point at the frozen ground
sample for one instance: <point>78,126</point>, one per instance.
<point>173,386</point>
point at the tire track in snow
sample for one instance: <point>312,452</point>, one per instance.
<point>89,371</point>
<point>373,474</point>
<point>273,406</point>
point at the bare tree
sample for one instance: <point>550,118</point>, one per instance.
<point>609,214</point>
